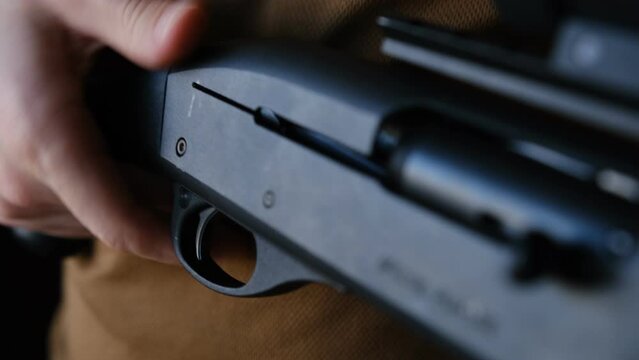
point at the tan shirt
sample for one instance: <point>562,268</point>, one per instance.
<point>117,306</point>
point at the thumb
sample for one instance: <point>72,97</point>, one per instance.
<point>152,33</point>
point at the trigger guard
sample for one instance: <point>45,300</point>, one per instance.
<point>275,271</point>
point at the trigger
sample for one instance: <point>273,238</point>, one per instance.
<point>201,246</point>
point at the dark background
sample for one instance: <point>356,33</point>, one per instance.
<point>30,286</point>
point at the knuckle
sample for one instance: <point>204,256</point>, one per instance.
<point>10,215</point>
<point>114,240</point>
<point>49,138</point>
<point>21,197</point>
<point>47,158</point>
<point>125,240</point>
<point>17,190</point>
<point>39,128</point>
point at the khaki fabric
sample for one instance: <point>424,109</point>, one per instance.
<point>116,306</point>
<point>348,25</point>
<point>120,307</point>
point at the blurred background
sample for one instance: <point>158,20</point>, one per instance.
<point>30,293</point>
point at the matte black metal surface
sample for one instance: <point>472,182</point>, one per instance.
<point>275,271</point>
<point>345,225</point>
<point>128,104</point>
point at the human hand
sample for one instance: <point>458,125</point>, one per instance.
<point>55,176</point>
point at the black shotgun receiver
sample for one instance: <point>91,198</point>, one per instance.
<point>482,193</point>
